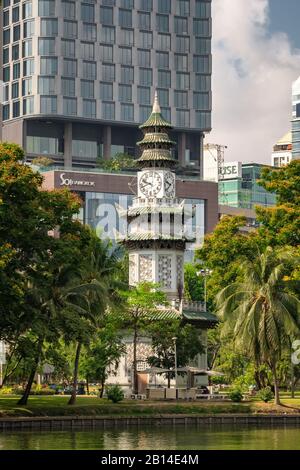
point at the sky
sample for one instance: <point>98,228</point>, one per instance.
<point>256,58</point>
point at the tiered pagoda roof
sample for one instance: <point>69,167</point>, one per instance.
<point>156,145</point>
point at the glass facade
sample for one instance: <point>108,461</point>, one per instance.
<point>138,43</point>
<point>245,192</point>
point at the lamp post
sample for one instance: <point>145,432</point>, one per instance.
<point>204,273</point>
<point>175,350</point>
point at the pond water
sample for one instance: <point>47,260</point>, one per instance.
<point>209,437</point>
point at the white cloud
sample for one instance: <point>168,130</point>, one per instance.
<point>253,72</point>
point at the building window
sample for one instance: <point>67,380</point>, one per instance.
<point>181,25</point>
<point>183,7</point>
<point>125,55</point>
<point>68,9</point>
<point>144,95</point>
<point>183,81</point>
<point>162,60</point>
<point>146,40</point>
<point>146,77</point>
<point>181,99</point>
<point>88,12</point>
<point>144,58</point>
<point>107,53</point>
<point>107,16</point>
<point>108,72</point>
<point>28,105</point>
<point>125,93</point>
<point>42,145</point>
<point>68,48</point>
<point>202,28</point>
<point>183,44</point>
<point>89,108</point>
<point>203,120</point>
<point>145,112</point>
<point>127,37</point>
<point>146,5</point>
<point>48,104</point>
<point>89,31</point>
<point>6,55</point>
<point>46,85</point>
<point>87,89</point>
<point>202,9</point>
<point>164,6</point>
<point>70,106</point>
<point>163,96</point>
<point>144,20</point>
<point>164,42</point>
<point>48,65</point>
<point>183,118</point>
<point>202,46</point>
<point>108,34</point>
<point>164,79</point>
<point>68,86</point>
<point>15,90</point>
<point>127,75</point>
<point>125,18</point>
<point>201,101</point>
<point>70,29</point>
<point>89,70</point>
<point>49,27</point>
<point>28,29</point>
<point>46,7</point>
<point>46,46</point>
<point>27,10</point>
<point>85,149</point>
<point>27,48</point>
<point>162,23</point>
<point>70,68</point>
<point>108,111</point>
<point>127,112</point>
<point>201,64</point>
<point>28,67</point>
<point>87,50</point>
<point>27,86</point>
<point>15,52</point>
<point>106,91</point>
<point>181,62</point>
<point>6,112</point>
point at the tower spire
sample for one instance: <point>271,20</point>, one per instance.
<point>156,106</point>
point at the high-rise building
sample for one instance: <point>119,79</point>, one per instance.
<point>79,76</point>
<point>282,151</point>
<point>296,119</point>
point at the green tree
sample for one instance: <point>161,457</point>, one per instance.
<point>104,353</point>
<point>222,253</point>
<point>188,345</point>
<point>97,291</point>
<point>193,283</point>
<point>260,310</point>
<point>143,302</point>
<point>280,225</point>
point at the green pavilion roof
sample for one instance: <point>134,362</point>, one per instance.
<point>156,155</point>
<point>135,211</point>
<point>156,138</point>
<point>156,120</point>
<point>205,317</point>
<point>152,236</point>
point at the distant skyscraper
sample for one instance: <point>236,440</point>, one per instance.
<point>282,151</point>
<point>296,119</point>
<point>79,75</point>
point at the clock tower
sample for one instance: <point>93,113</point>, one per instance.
<point>155,237</point>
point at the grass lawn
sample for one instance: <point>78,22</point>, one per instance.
<point>93,406</point>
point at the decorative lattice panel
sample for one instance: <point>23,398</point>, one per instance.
<point>165,271</point>
<point>179,262</point>
<point>145,265</point>
<point>143,352</point>
<point>132,270</point>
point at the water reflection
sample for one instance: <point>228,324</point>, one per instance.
<point>158,438</point>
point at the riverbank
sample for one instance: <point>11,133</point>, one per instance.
<point>56,406</point>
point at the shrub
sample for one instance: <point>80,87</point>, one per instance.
<point>115,393</point>
<point>266,394</point>
<point>236,395</point>
<point>6,391</point>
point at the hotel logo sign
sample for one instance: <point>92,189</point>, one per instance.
<point>68,181</point>
<point>230,171</point>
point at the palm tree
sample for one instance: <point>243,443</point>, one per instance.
<point>95,291</point>
<point>261,310</point>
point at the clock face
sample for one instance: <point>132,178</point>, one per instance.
<point>170,184</point>
<point>150,184</point>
